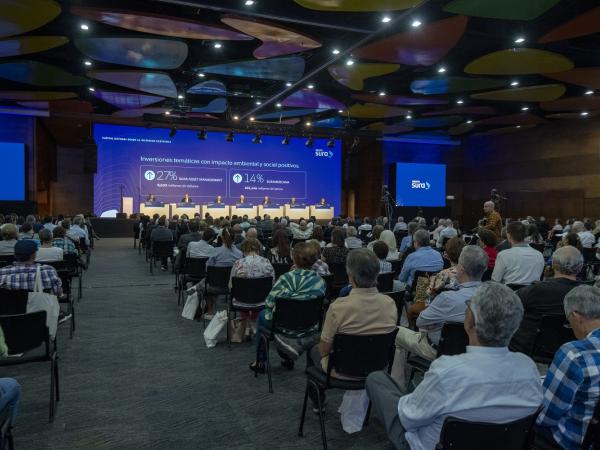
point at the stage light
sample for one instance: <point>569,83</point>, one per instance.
<point>236,117</point>
<point>286,140</point>
<point>386,19</point>
<point>469,121</point>
<point>416,23</point>
<point>84,26</point>
<point>278,105</point>
<point>202,135</point>
<point>584,113</point>
<point>201,75</point>
<point>514,83</point>
<point>249,2</point>
<point>309,141</point>
<point>340,111</point>
<point>87,62</point>
<point>217,45</point>
<point>382,94</point>
<point>257,139</point>
<point>408,116</point>
<point>460,101</point>
<point>167,113</point>
<point>441,69</point>
<point>331,142</point>
<point>308,124</point>
<point>173,132</point>
<point>349,62</point>
<point>91,89</point>
<point>518,126</point>
<point>519,40</point>
<point>288,84</point>
<point>180,97</point>
<point>252,119</point>
<point>335,51</point>
<point>258,103</point>
<point>590,92</point>
<point>229,137</point>
<point>311,86</point>
<point>525,108</point>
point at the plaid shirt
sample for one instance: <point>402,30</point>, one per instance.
<point>572,390</point>
<point>66,245</point>
<point>22,276</point>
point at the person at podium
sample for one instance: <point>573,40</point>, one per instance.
<point>151,198</point>
<point>294,203</point>
<point>219,200</point>
<point>322,203</point>
<point>186,199</point>
<point>266,201</point>
<point>242,201</point>
<point>152,202</point>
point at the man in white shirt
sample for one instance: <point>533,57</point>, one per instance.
<point>486,384</point>
<point>76,232</point>
<point>520,264</point>
<point>48,224</point>
<point>301,230</point>
<point>584,231</point>
<point>448,232</point>
<point>439,228</point>
<point>202,248</point>
<point>400,225</point>
<point>47,252</point>
<point>366,225</point>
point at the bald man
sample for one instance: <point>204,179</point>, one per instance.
<point>492,220</point>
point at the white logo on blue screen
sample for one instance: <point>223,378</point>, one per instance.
<point>417,184</point>
<point>323,153</point>
<point>149,175</point>
<point>237,178</point>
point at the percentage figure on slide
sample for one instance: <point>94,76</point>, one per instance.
<point>164,175</point>
<point>248,178</point>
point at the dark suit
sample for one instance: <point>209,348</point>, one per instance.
<point>162,234</point>
<point>189,200</point>
<point>185,239</point>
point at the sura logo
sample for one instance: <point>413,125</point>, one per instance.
<point>323,153</point>
<point>416,184</point>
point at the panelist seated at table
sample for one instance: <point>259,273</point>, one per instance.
<point>242,203</point>
<point>152,202</point>
<point>267,203</point>
<point>294,203</point>
<point>218,203</point>
<point>322,204</point>
<point>186,199</point>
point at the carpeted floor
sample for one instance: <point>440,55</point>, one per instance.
<point>136,376</point>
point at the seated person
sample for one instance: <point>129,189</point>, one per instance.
<point>400,225</point>
<point>301,284</point>
<point>375,235</point>
<point>238,235</point>
<point>448,306</point>
<point>381,250</point>
<point>337,252</point>
<point>218,200</point>
<point>546,297</point>
<point>301,230</point>
<point>488,383</point>
<point>162,234</point>
<point>487,241</point>
<point>193,235</point>
<point>242,201</point>
<point>62,242</point>
<point>424,259</point>
<point>10,396</point>
<point>319,265</point>
<point>266,201</point>
<point>406,241</point>
<point>26,232</point>
<point>9,239</point>
<point>446,280</point>
<point>322,203</point>
<point>520,264</point>
<point>186,199</point>
<point>47,252</point>
<point>571,384</point>
<point>388,237</point>
<point>446,233</point>
<point>352,241</point>
<point>364,311</point>
<point>279,253</point>
<point>202,248</point>
<point>22,274</point>
<point>151,199</point>
<point>319,235</point>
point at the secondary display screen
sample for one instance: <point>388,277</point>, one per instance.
<point>420,184</point>
<point>138,161</point>
<point>12,182</point>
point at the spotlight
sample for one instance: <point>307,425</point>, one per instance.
<point>84,26</point>
<point>349,62</point>
<point>408,116</point>
<point>584,113</point>
<point>91,89</point>
<point>236,117</point>
<point>340,111</point>
<point>217,45</point>
<point>288,84</point>
<point>331,142</point>
<point>519,40</point>
<point>514,83</point>
<point>286,140</point>
<point>173,132</point>
<point>309,141</point>
<point>518,126</point>
<point>416,23</point>
<point>180,97</point>
<point>252,119</point>
<point>258,103</point>
<point>441,69</point>
<point>590,92</point>
<point>229,137</point>
<point>87,63</point>
<point>460,101</point>
<point>201,75</point>
<point>308,124</point>
<point>167,113</point>
<point>525,108</point>
<point>311,86</point>
<point>382,94</point>
<point>202,135</point>
<point>335,51</point>
<point>278,105</point>
<point>257,139</point>
<point>469,121</point>
<point>386,19</point>
<point>249,2</point>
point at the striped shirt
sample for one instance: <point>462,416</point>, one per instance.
<point>66,245</point>
<point>572,390</point>
<point>22,276</point>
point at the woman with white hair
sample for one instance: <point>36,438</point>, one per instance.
<point>388,237</point>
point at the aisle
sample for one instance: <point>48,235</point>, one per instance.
<point>137,376</point>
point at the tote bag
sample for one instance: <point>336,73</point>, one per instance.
<point>38,300</point>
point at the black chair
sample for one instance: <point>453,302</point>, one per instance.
<point>6,437</point>
<point>75,271</point>
<point>7,259</point>
<point>193,271</point>
<point>159,250</point>
<point>247,294</point>
<point>329,291</point>
<point>487,275</point>
<point>353,356</point>
<point>28,341</point>
<point>281,268</point>
<point>515,286</point>
<point>385,282</point>
<point>398,297</point>
<point>589,254</point>
<point>396,267</point>
<point>592,434</point>
<point>217,280</point>
<point>552,332</point>
<point>13,301</point>
<point>465,435</point>
<point>63,272</point>
<point>292,318</point>
<point>363,235</point>
<point>340,277</point>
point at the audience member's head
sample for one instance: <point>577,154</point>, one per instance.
<point>388,237</point>
<point>250,246</point>
<point>493,315</point>
<point>209,235</point>
<point>237,229</point>
<point>252,233</point>
<point>318,233</point>
<point>45,236</point>
<point>26,228</point>
<point>380,249</point>
<point>515,232</point>
<point>58,232</point>
<point>25,250</point>
<point>472,263</point>
<point>487,238</point>
<point>488,207</point>
<point>280,241</point>
<point>337,237</point>
<point>400,219</point>
<point>582,308</point>
<point>377,229</point>
<point>412,228</point>
<point>571,239</point>
<point>362,267</point>
<point>315,246</point>
<point>567,261</point>
<point>227,237</point>
<point>162,221</point>
<point>351,231</point>
<point>302,224</point>
<point>421,238</point>
<point>303,255</point>
<point>9,232</point>
<point>30,218</point>
<point>194,226</point>
<point>577,226</point>
<point>453,249</point>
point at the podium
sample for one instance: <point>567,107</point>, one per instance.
<point>151,210</point>
<point>272,210</point>
<point>321,213</point>
<point>127,205</point>
<point>297,212</point>
<point>215,210</point>
<point>190,209</point>
<point>241,210</point>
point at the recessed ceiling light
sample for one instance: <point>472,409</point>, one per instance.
<point>278,105</point>
<point>335,51</point>
<point>236,117</point>
<point>469,121</point>
<point>249,2</point>
<point>251,119</point>
<point>584,113</point>
<point>519,40</point>
<point>441,69</point>
<point>258,102</point>
<point>201,75</point>
<point>91,89</point>
<point>84,26</point>
<point>382,94</point>
<point>525,108</point>
<point>217,45</point>
<point>87,63</point>
<point>311,86</point>
<point>308,124</point>
<point>349,62</point>
<point>340,111</point>
<point>386,19</point>
<point>590,92</point>
<point>460,101</point>
<point>416,23</point>
<point>514,83</point>
<point>518,126</point>
<point>408,116</point>
<point>288,84</point>
<point>180,97</point>
<point>167,113</point>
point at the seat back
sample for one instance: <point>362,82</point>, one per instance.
<point>589,254</point>
<point>487,275</point>
<point>196,267</point>
<point>13,301</point>
<point>162,249</point>
<point>297,315</point>
<point>25,332</point>
<point>359,355</point>
<point>385,282</point>
<point>538,247</point>
<point>218,277</point>
<point>58,265</point>
<point>592,434</point>
<point>7,258</point>
<point>251,290</point>
<point>83,245</point>
<point>329,290</point>
<point>340,277</point>
<point>515,286</point>
<point>396,267</point>
<point>453,340</point>
<point>552,332</point>
<point>465,435</point>
<point>280,269</point>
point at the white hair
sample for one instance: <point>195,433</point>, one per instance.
<point>584,300</point>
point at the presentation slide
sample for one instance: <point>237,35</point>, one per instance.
<point>12,182</point>
<point>140,161</point>
<point>420,184</point>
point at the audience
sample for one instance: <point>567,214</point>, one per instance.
<point>584,231</point>
<point>446,233</point>
<point>301,230</point>
<point>447,280</point>
<point>26,232</point>
<point>389,239</point>
<point>520,264</point>
<point>380,249</point>
<point>400,225</point>
<point>351,241</point>
<point>407,240</point>
<point>486,384</point>
<point>62,242</point>
<point>336,252</point>
<point>424,259</point>
<point>279,253</point>
<point>487,241</point>
<point>319,265</point>
<point>47,252</point>
<point>203,247</point>
<point>9,239</point>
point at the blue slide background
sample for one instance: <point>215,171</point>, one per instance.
<point>420,184</point>
<point>12,182</point>
<point>207,168</point>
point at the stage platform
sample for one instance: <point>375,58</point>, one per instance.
<point>113,228</point>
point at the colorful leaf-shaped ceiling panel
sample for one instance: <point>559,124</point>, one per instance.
<point>406,100</point>
<point>22,16</point>
<point>332,122</point>
<point>582,103</point>
<point>289,113</point>
<point>287,68</point>
<point>584,76</point>
<point>210,87</point>
<point>470,110</point>
<point>307,98</point>
<point>542,93</point>
<point>126,100</point>
<point>156,83</point>
<point>357,5</point>
<point>451,85</point>
<point>421,46</point>
<point>24,45</point>
<point>354,76</point>
<point>519,61</point>
<point>148,53</point>
<point>276,40</point>
<point>39,74</point>
<point>501,9</point>
<point>375,111</point>
<point>158,24</point>
<point>36,95</point>
<point>582,25</point>
<point>216,106</point>
<point>512,119</point>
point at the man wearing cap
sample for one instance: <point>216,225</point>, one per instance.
<point>22,274</point>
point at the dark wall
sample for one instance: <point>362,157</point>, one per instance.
<point>21,129</point>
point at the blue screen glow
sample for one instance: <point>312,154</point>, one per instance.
<point>420,184</point>
<point>12,182</point>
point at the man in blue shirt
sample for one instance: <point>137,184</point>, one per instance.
<point>572,385</point>
<point>424,259</point>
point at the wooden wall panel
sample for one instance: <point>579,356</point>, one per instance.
<point>362,177</point>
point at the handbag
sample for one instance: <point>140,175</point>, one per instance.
<point>237,329</point>
<point>190,307</point>
<point>215,326</point>
<point>38,300</point>
<point>353,410</point>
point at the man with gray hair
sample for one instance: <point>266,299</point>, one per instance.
<point>448,306</point>
<point>447,233</point>
<point>571,384</point>
<point>351,241</point>
<point>488,383</point>
<point>424,259</point>
<point>546,297</point>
